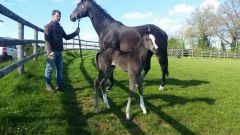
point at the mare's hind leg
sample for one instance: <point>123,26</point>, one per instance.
<point>140,89</point>
<point>161,62</point>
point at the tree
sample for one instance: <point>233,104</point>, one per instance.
<point>174,42</point>
<point>229,19</point>
<point>201,26</point>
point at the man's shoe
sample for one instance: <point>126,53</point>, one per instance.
<point>61,89</point>
<point>50,89</point>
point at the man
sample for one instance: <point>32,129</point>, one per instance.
<point>54,34</point>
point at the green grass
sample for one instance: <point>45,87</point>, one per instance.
<point>201,97</point>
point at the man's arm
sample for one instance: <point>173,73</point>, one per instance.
<point>47,37</point>
<point>72,35</point>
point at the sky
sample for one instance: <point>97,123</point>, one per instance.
<point>170,15</point>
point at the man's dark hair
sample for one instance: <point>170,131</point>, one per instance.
<point>56,11</point>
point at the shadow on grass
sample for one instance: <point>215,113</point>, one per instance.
<point>172,100</point>
<point>76,120</point>
<point>176,82</point>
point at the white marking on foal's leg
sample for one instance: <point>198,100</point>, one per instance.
<point>128,109</point>
<point>161,88</point>
<point>106,100</point>
<point>142,105</point>
<point>153,40</point>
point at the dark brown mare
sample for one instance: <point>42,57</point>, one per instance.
<point>114,34</point>
<point>132,62</point>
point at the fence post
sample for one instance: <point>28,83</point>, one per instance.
<point>36,44</point>
<point>20,47</point>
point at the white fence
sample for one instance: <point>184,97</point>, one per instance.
<point>203,53</point>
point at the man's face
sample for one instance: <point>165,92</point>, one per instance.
<point>56,17</point>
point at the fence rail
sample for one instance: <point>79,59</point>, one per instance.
<point>203,53</point>
<point>13,41</point>
<point>6,12</point>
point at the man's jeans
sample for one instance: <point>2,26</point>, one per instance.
<point>58,62</point>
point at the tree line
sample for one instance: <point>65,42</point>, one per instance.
<point>208,24</point>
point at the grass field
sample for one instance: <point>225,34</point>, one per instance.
<point>201,97</point>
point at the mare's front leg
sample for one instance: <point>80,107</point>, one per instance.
<point>147,64</point>
<point>140,90</point>
<point>132,79</point>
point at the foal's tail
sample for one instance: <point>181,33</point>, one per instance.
<point>161,39</point>
<point>96,60</point>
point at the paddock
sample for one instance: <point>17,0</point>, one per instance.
<point>201,97</point>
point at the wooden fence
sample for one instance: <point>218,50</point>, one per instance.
<point>20,42</point>
<point>204,53</point>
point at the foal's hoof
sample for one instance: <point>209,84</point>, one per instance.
<point>161,88</point>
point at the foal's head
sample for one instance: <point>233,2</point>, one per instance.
<point>148,43</point>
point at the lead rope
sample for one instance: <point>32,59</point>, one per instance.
<point>80,48</point>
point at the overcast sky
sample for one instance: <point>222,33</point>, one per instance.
<point>169,15</point>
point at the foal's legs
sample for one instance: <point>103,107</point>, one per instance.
<point>96,86</point>
<point>111,81</point>
<point>103,85</point>
<point>132,77</point>
<point>140,89</point>
<point>101,80</point>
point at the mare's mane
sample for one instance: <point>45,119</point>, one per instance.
<point>102,10</point>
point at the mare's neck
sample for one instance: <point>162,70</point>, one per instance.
<point>100,20</point>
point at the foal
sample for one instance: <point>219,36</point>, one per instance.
<point>132,62</point>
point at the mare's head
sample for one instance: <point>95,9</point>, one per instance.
<point>148,43</point>
<point>81,10</point>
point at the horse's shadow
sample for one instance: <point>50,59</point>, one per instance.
<point>176,82</point>
<point>76,121</point>
<point>172,100</point>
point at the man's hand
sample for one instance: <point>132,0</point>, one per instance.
<point>77,30</point>
<point>51,55</point>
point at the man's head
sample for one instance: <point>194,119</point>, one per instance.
<point>56,15</point>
